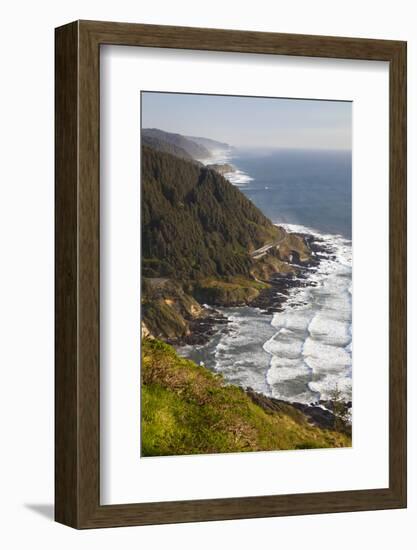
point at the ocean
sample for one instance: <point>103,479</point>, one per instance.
<point>303,353</point>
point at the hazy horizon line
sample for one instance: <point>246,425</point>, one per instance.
<point>251,147</point>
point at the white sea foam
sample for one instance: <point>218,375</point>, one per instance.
<point>239,355</point>
<point>326,385</point>
<point>220,156</point>
<point>286,370</point>
<point>318,318</point>
<point>284,344</point>
<point>238,178</point>
<point>225,156</point>
<point>305,352</point>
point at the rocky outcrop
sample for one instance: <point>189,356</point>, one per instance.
<point>316,414</point>
<point>293,249</point>
<point>146,333</point>
<point>166,309</point>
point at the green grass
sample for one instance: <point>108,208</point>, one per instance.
<point>186,409</point>
<point>236,289</point>
<point>234,283</point>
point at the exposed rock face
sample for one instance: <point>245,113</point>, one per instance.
<point>166,309</point>
<point>293,248</point>
<point>315,414</point>
<point>146,333</point>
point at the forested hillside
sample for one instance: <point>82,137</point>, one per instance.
<point>199,233</point>
<point>165,147</point>
<point>205,245</point>
<point>192,148</point>
<point>194,222</point>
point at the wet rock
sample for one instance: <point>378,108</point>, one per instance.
<point>316,415</point>
<point>202,329</point>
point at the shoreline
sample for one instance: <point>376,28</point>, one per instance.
<point>281,288</point>
<point>269,302</point>
<point>321,414</point>
<point>272,300</point>
<point>269,336</point>
<point>209,416</point>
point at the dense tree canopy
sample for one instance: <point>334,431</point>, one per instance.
<point>195,223</point>
<point>165,147</point>
<point>190,146</point>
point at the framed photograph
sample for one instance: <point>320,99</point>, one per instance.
<point>230,274</point>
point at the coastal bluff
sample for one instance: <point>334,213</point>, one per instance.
<point>203,242</point>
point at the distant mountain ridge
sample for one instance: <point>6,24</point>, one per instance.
<point>210,144</point>
<point>178,141</point>
<point>186,147</point>
<point>164,146</point>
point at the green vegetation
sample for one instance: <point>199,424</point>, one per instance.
<point>199,232</point>
<point>203,241</point>
<point>237,290</point>
<point>340,410</point>
<point>165,147</point>
<point>190,147</point>
<point>195,223</point>
<point>186,409</point>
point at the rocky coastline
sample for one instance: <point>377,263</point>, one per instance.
<point>270,299</point>
<point>321,414</point>
<point>273,298</point>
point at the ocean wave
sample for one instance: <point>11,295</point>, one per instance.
<point>238,178</point>
<point>319,318</point>
<point>325,385</point>
<point>239,356</point>
<point>279,374</point>
<point>222,156</point>
<point>305,351</point>
<point>285,344</point>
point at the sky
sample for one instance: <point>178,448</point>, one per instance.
<point>252,121</point>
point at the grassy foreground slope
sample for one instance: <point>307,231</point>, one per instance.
<point>186,409</point>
